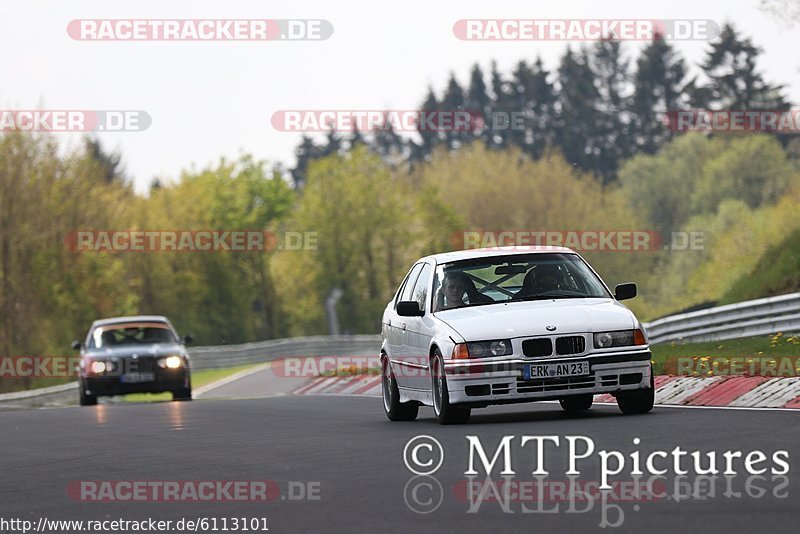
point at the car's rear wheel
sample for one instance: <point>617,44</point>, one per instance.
<point>576,403</point>
<point>446,413</point>
<point>640,401</point>
<point>84,398</point>
<point>395,410</point>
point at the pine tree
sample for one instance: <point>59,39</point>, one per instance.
<point>478,103</point>
<point>430,138</point>
<point>659,88</point>
<point>578,103</point>
<point>734,82</point>
<point>502,105</point>
<point>610,131</point>
<point>534,99</point>
<point>452,102</point>
<point>305,152</point>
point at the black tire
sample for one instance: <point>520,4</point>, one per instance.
<point>394,409</point>
<point>183,394</point>
<point>84,398</point>
<point>637,402</point>
<point>576,403</point>
<point>446,413</point>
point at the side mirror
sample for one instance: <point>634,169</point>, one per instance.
<point>625,291</point>
<point>409,308</point>
<point>188,339</point>
<point>77,345</point>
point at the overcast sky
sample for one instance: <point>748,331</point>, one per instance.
<point>215,99</point>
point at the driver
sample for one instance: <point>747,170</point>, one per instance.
<point>454,288</point>
<point>548,278</point>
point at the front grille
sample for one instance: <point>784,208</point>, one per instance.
<point>537,347</point>
<point>142,364</point>
<point>570,345</point>
<point>555,384</point>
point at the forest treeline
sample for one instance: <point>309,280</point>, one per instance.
<point>596,157</point>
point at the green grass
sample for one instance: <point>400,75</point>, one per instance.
<point>777,273</point>
<point>757,348</point>
<point>199,378</point>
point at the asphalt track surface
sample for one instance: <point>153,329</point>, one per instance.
<point>346,446</point>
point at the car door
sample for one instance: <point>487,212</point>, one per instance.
<point>395,327</point>
<point>419,330</point>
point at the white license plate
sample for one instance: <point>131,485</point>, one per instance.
<point>133,378</point>
<point>555,370</point>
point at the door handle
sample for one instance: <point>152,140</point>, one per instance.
<point>389,322</point>
<point>403,326</point>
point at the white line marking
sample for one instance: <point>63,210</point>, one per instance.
<point>202,390</point>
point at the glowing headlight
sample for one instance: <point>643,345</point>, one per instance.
<point>98,367</point>
<point>172,362</point>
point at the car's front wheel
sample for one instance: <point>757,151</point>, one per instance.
<point>183,394</point>
<point>85,399</point>
<point>395,410</point>
<point>446,413</point>
<point>576,403</point>
<point>635,402</point>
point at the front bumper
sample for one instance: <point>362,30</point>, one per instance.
<point>163,380</point>
<point>482,383</point>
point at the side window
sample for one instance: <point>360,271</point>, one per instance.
<point>421,287</point>
<point>408,285</point>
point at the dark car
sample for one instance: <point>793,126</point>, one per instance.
<point>141,354</point>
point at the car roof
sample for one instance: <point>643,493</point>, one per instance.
<point>131,319</point>
<point>459,255</point>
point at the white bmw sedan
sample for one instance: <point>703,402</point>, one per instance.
<point>473,328</point>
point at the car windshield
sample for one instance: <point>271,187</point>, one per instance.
<point>131,334</point>
<point>514,278</point>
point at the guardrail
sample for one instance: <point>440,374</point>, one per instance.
<point>743,319</point>
<point>217,357</point>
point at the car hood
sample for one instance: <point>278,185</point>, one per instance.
<point>530,318</point>
<point>125,351</point>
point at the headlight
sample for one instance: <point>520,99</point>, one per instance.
<point>487,349</point>
<point>170,362</point>
<point>98,367</point>
<point>619,338</point>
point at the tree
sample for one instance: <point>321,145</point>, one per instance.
<point>371,225</point>
<point>478,102</point>
<point>733,80</point>
<point>533,100</point>
<point>453,102</point>
<point>578,110</point>
<point>659,84</point>
<point>611,134</point>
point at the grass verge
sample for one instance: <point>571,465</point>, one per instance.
<point>761,348</point>
<point>199,378</point>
